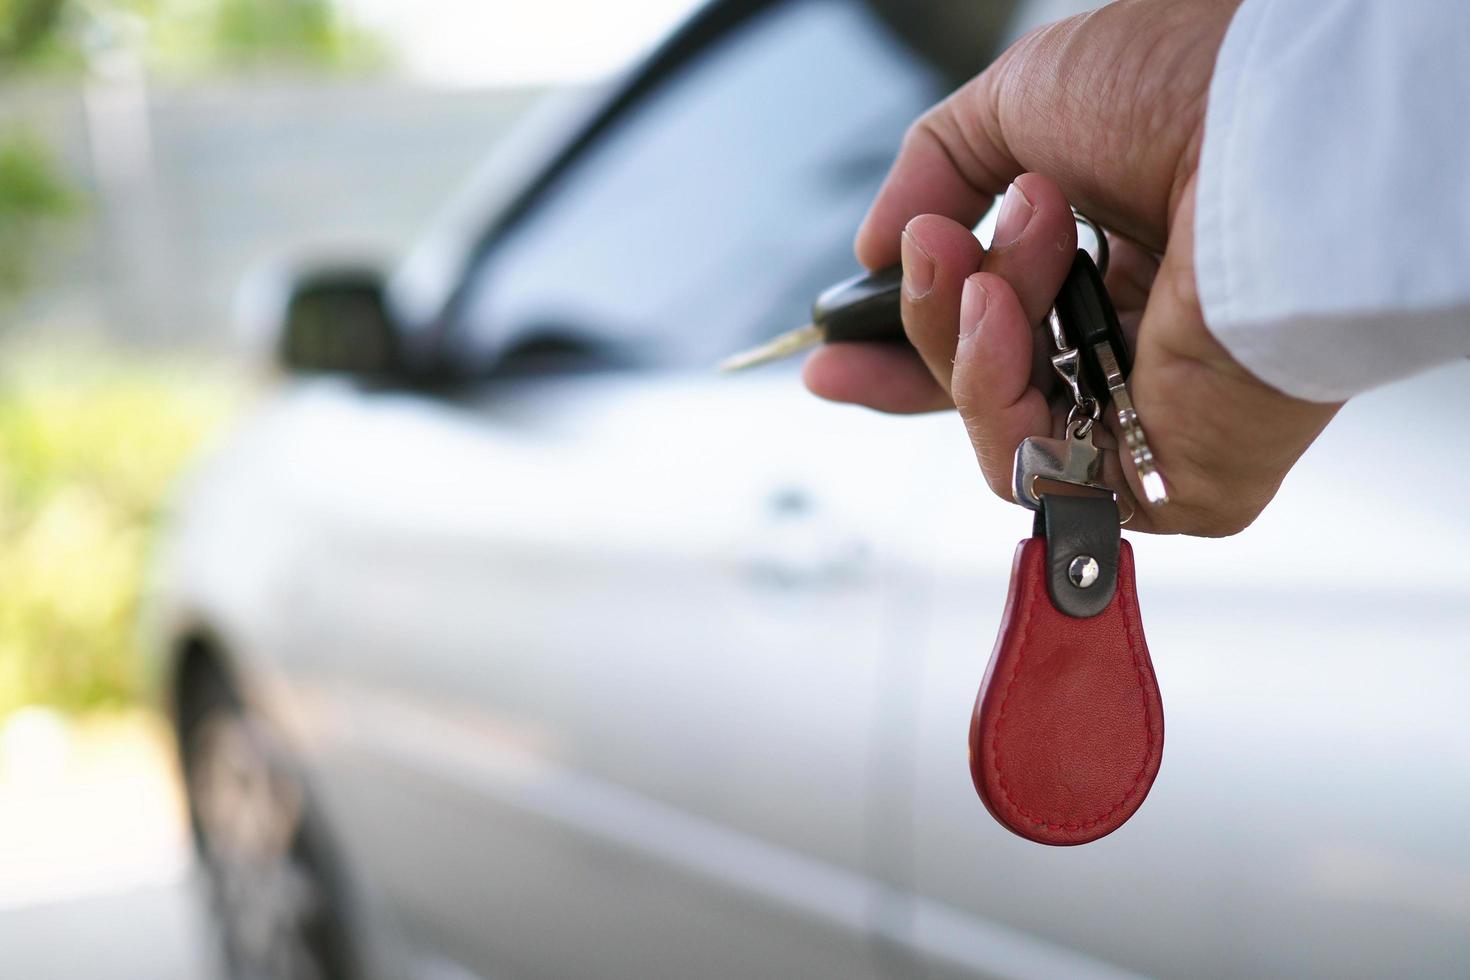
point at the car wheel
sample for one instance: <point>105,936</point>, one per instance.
<point>269,886</point>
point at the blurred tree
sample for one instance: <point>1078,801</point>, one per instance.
<point>300,31</point>
<point>193,36</point>
<point>188,35</point>
<point>25,28</point>
<point>31,195</point>
<point>89,444</point>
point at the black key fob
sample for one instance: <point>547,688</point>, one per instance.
<point>1088,318</point>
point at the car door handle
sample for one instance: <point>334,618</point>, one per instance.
<point>799,547</point>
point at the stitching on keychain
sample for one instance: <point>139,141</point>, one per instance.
<point>1000,722</point>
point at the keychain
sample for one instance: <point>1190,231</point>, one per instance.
<point>1068,729</point>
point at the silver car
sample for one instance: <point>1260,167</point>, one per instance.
<point>504,639</point>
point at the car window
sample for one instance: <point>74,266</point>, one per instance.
<point>717,208</point>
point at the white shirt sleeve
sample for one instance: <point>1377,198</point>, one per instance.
<point>1332,234</point>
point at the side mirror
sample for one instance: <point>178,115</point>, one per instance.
<point>323,319</point>
<point>336,320</point>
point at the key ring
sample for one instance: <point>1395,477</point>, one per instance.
<point>1082,416</point>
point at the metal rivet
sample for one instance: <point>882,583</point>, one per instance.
<point>1082,571</point>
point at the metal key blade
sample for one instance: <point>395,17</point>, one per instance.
<point>791,342</point>
<point>1133,436</point>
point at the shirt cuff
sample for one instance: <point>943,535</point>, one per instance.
<point>1330,241</point>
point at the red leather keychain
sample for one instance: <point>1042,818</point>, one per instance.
<point>1068,730</point>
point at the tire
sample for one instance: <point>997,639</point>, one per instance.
<point>271,891</point>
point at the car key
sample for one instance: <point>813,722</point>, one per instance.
<point>863,308</point>
<point>866,308</point>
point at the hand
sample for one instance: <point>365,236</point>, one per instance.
<point>1110,105</point>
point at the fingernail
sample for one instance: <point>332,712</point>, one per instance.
<point>918,267</point>
<point>1015,215</point>
<point>973,301</point>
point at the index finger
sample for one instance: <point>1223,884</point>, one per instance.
<point>937,171</point>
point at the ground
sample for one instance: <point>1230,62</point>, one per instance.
<point>95,875</point>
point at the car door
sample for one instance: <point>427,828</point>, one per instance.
<point>644,703</point>
<point>598,653</point>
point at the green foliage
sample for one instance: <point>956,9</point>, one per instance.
<point>32,195</point>
<point>187,36</point>
<point>191,36</point>
<point>291,30</point>
<point>34,38</point>
<point>25,27</point>
<point>89,446</point>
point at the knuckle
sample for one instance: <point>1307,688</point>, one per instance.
<point>994,459</point>
<point>928,128</point>
<point>961,127</point>
<point>964,401</point>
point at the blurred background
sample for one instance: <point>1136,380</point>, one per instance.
<point>152,154</point>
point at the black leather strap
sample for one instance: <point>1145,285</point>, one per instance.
<point>1079,527</point>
